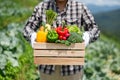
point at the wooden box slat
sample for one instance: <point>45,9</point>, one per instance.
<point>59,54</point>
<point>58,46</point>
<point>62,53</point>
<point>58,61</point>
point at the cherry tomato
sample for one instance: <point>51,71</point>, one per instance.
<point>60,37</point>
<point>64,38</point>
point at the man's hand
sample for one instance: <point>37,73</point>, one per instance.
<point>33,37</point>
<point>86,38</point>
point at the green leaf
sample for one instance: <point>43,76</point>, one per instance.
<point>3,61</point>
<point>13,61</point>
<point>1,50</point>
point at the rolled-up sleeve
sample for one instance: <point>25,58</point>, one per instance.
<point>89,24</point>
<point>33,23</point>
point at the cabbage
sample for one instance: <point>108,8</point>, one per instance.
<point>74,28</point>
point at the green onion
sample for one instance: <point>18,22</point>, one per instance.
<point>50,16</point>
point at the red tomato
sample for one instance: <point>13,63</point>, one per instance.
<point>67,35</point>
<point>64,38</point>
<point>60,37</point>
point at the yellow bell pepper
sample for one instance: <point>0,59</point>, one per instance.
<point>41,35</point>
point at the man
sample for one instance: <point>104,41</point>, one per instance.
<point>72,12</point>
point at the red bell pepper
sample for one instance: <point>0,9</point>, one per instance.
<point>62,32</point>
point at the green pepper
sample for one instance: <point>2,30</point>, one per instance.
<point>52,36</point>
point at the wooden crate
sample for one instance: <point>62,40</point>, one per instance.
<point>59,54</point>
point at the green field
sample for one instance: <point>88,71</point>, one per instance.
<point>16,54</point>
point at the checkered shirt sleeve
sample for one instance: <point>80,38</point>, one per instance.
<point>33,22</point>
<point>89,24</point>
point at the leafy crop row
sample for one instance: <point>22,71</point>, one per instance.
<point>16,59</point>
<point>15,11</point>
<point>102,61</point>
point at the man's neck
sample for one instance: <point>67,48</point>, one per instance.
<point>61,4</point>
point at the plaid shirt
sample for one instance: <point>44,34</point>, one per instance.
<point>74,13</point>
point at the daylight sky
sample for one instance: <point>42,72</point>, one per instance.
<point>102,2</point>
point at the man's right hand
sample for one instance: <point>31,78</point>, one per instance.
<point>33,37</point>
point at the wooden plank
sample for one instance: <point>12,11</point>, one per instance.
<point>58,46</point>
<point>69,53</point>
<point>58,61</point>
